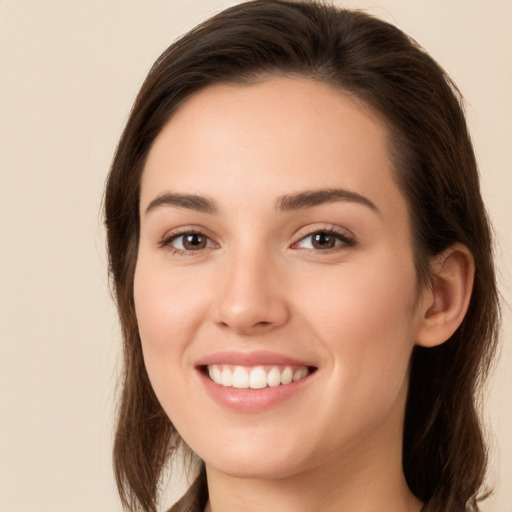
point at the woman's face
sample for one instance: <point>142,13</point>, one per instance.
<point>275,255</point>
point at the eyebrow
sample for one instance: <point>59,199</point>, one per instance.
<point>187,201</point>
<point>311,198</point>
<point>286,203</point>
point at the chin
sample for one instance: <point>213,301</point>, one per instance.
<point>255,463</point>
<point>255,470</point>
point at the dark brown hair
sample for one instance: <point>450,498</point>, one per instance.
<point>444,456</point>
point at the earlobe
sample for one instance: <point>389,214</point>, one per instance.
<point>446,302</point>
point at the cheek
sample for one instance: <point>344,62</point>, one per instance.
<point>168,308</point>
<point>367,322</point>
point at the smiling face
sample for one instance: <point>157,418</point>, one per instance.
<point>275,286</point>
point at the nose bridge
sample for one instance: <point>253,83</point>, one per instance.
<point>250,298</point>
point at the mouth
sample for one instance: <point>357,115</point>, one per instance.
<point>255,377</point>
<point>253,382</point>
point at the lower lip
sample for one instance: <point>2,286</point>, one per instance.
<point>252,400</point>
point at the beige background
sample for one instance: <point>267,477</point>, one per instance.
<point>69,71</point>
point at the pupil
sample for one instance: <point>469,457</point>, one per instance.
<point>323,241</point>
<point>194,241</point>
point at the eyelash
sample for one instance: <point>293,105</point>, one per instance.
<point>343,238</point>
<point>167,240</point>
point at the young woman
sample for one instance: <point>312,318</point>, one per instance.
<point>303,270</point>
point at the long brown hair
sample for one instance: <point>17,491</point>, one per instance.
<point>444,456</point>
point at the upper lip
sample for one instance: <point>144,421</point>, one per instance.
<point>254,358</point>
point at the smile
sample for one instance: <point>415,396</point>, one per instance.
<point>256,377</point>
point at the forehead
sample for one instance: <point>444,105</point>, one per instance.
<point>283,134</point>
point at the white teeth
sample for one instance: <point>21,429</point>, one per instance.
<point>287,376</point>
<point>217,376</point>
<point>255,378</point>
<point>258,378</point>
<point>240,378</point>
<point>300,374</point>
<point>274,377</point>
<point>226,378</point>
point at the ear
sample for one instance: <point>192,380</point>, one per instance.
<point>445,303</point>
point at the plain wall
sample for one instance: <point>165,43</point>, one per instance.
<point>69,72</point>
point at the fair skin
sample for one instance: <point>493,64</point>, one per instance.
<point>274,238</point>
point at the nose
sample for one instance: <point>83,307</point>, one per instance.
<point>252,297</point>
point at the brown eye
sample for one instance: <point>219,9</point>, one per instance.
<point>190,242</point>
<point>194,241</point>
<point>323,241</point>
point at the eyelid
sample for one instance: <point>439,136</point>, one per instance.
<point>165,242</point>
<point>347,238</point>
<point>344,235</point>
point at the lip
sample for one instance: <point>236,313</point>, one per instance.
<point>251,400</point>
<point>256,358</point>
